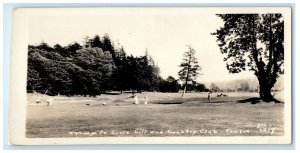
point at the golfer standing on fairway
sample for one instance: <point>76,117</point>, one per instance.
<point>209,96</point>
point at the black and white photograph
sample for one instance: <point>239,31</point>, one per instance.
<point>151,75</point>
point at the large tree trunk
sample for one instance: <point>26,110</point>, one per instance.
<point>265,90</point>
<point>186,82</point>
<point>184,90</point>
<point>265,94</point>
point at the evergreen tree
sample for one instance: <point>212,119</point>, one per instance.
<point>108,46</point>
<point>189,68</point>
<point>96,42</point>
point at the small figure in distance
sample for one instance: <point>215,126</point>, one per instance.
<point>209,96</point>
<point>146,100</point>
<point>49,101</point>
<point>136,99</point>
<point>38,100</point>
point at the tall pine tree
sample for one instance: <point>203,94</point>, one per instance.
<point>189,68</point>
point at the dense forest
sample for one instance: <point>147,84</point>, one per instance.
<point>95,68</point>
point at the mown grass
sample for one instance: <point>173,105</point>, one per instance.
<point>119,116</point>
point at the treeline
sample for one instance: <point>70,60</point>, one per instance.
<point>94,68</point>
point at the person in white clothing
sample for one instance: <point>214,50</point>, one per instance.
<point>136,100</point>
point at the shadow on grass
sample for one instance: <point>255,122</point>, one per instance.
<point>255,100</point>
<point>194,100</point>
<point>112,93</point>
<point>216,102</point>
<point>170,102</point>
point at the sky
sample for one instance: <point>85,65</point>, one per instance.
<point>165,33</point>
